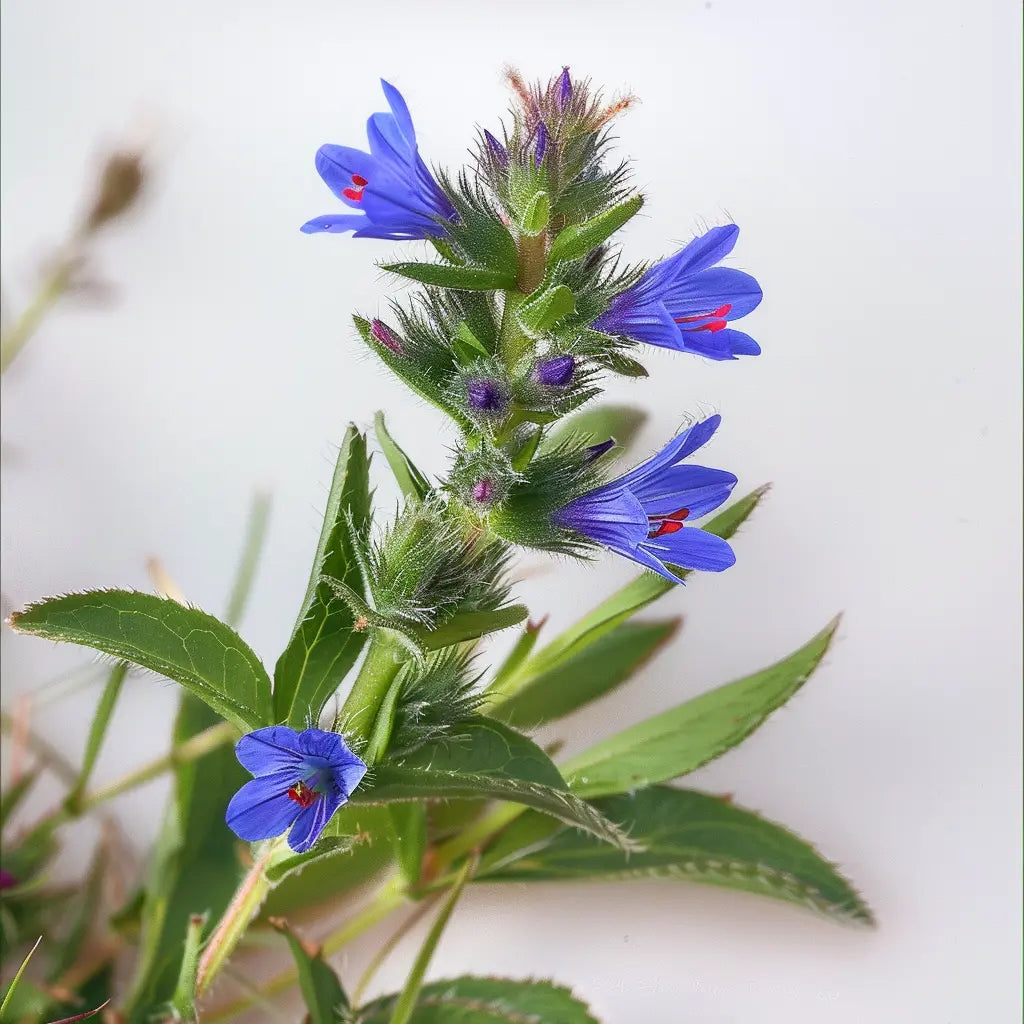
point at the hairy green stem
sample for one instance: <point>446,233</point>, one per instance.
<point>476,834</point>
<point>389,898</point>
<point>248,898</point>
<point>532,261</point>
<point>378,671</point>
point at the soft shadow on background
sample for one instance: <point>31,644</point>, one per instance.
<point>870,154</point>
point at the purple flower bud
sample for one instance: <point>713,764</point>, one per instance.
<point>595,451</point>
<point>564,89</point>
<point>542,143</point>
<point>386,337</point>
<point>496,149</point>
<point>483,490</point>
<point>555,372</point>
<point>485,396</point>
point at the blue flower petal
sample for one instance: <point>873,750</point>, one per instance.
<point>693,548</point>
<point>312,820</point>
<point>696,488</point>
<point>704,251</point>
<point>262,809</point>
<point>335,223</point>
<point>269,750</point>
<point>400,110</point>
<point>337,164</point>
<point>710,289</point>
<point>677,449</point>
<point>740,344</point>
<point>350,774</point>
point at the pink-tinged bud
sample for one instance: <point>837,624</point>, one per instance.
<point>564,93</point>
<point>386,337</point>
<point>483,491</point>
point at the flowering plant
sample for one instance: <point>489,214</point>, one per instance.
<point>423,777</point>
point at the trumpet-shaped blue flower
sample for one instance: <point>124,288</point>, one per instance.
<point>391,187</point>
<point>645,514</point>
<point>302,778</point>
<point>686,302</point>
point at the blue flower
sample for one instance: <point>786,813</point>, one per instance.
<point>686,302</point>
<point>391,186</point>
<point>643,514</point>
<point>302,778</point>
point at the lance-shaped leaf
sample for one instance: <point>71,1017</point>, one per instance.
<point>581,677</point>
<point>641,592</point>
<point>683,738</point>
<point>540,314</point>
<point>185,644</point>
<point>323,645</point>
<point>325,999</point>
<point>471,626</point>
<point>460,278</point>
<point>484,758</point>
<point>472,1000</point>
<point>412,482</point>
<point>686,836</point>
<point>575,241</point>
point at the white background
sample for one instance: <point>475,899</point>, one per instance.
<point>870,153</point>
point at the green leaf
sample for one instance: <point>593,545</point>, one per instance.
<point>252,547</point>
<point>686,836</point>
<point>471,626</point>
<point>322,993</point>
<point>683,738</point>
<point>581,677</point>
<point>411,481</point>
<point>537,214</point>
<point>97,731</point>
<point>286,863</point>
<point>13,795</point>
<point>324,646</point>
<point>359,838</point>
<point>459,278</point>
<point>621,422</point>
<point>623,365</point>
<point>515,658</point>
<point>409,823</point>
<point>543,312</point>
<point>468,347</point>
<point>484,758</point>
<point>184,644</point>
<point>471,1000</point>
<point>625,603</point>
<point>577,240</point>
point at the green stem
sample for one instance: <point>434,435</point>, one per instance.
<point>476,834</point>
<point>255,532</point>
<point>406,1004</point>
<point>21,331</point>
<point>532,261</point>
<point>512,342</point>
<point>378,671</point>
<point>389,898</point>
<point>97,731</point>
<point>240,911</point>
<point>183,999</point>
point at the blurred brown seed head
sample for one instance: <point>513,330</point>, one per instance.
<point>119,186</point>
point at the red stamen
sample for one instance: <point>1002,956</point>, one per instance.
<point>355,194</point>
<point>302,794</point>
<point>360,182</point>
<point>668,526</point>
<point>678,515</point>
<point>715,325</point>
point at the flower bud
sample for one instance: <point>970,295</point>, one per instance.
<point>486,396</point>
<point>564,93</point>
<point>386,337</point>
<point>119,187</point>
<point>498,152</point>
<point>542,143</point>
<point>555,372</point>
<point>483,491</point>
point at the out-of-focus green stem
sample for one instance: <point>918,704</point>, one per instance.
<point>17,337</point>
<point>255,532</point>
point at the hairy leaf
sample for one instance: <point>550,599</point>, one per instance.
<point>472,1000</point>
<point>686,836</point>
<point>323,645</point>
<point>485,759</point>
<point>322,993</point>
<point>578,240</point>
<point>460,278</point>
<point>412,482</point>
<point>184,644</point>
<point>683,738</point>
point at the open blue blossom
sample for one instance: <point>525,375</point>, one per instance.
<point>302,778</point>
<point>641,515</point>
<point>391,187</point>
<point>686,302</point>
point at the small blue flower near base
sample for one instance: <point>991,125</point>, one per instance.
<point>645,514</point>
<point>686,302</point>
<point>391,187</point>
<point>302,778</point>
